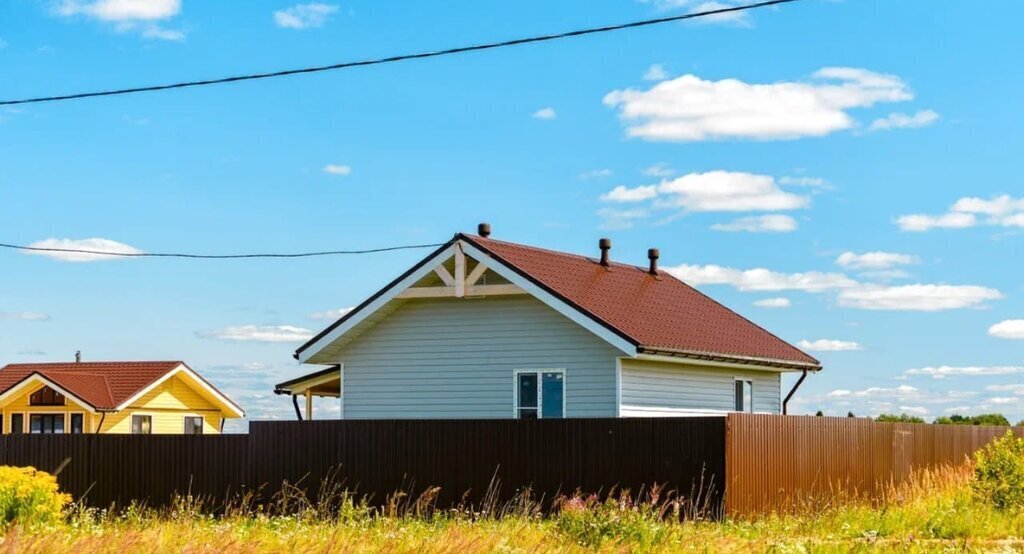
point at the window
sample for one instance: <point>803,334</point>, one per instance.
<point>540,394</point>
<point>142,424</point>
<point>744,395</point>
<point>46,424</point>
<point>46,397</point>
<point>17,424</point>
<point>193,425</point>
<point>77,424</point>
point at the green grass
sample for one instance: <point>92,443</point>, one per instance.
<point>935,512</point>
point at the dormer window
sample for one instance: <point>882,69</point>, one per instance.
<point>46,397</point>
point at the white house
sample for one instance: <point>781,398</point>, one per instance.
<point>483,328</point>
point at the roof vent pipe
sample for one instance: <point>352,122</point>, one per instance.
<point>605,245</point>
<point>78,356</point>
<point>484,230</point>
<point>652,255</point>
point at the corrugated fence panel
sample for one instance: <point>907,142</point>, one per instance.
<point>778,463</point>
<point>378,458</point>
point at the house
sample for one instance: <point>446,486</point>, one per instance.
<point>483,328</point>
<point>111,397</point>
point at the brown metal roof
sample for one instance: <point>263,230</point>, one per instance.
<point>656,313</point>
<point>104,385</point>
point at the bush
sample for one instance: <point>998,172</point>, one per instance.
<point>981,419</point>
<point>901,418</point>
<point>29,496</point>
<point>999,473</point>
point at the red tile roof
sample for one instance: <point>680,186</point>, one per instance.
<point>103,385</point>
<point>656,313</point>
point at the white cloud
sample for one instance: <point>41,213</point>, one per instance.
<point>625,194</point>
<point>128,15</point>
<point>918,410</point>
<point>121,10</point>
<point>1004,211</point>
<point>24,316</point>
<point>335,169</point>
<point>596,174</point>
<point>773,223</point>
<point>922,118</point>
<point>656,73</point>
<point>925,298</point>
<point>259,333</point>
<point>620,219</point>
<point>91,245</point>
<point>901,391</point>
<point>688,108</point>
<point>772,303</point>
<point>660,169</point>
<point>545,113</point>
<point>1009,329</point>
<point>812,182</point>
<point>727,191</point>
<point>331,314</point>
<point>829,345</point>
<point>1015,388</point>
<point>941,372</point>
<point>874,260</point>
<point>304,16</point>
<point>760,279</point>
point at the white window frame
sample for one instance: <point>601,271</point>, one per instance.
<point>184,418</point>
<point>131,427</point>
<point>746,409</point>
<point>85,423</point>
<point>540,390</point>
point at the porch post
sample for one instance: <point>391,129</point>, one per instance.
<point>309,405</point>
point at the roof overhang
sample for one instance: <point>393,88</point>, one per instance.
<point>301,384</point>
<point>722,360</point>
<point>202,386</point>
<point>35,378</point>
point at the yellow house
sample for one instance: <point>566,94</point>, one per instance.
<point>111,397</point>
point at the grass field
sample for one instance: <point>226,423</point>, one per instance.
<point>936,512</point>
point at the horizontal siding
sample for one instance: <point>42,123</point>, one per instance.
<point>455,358</point>
<point>665,388</point>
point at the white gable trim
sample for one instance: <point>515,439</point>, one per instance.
<point>232,407</point>
<point>388,295</point>
<point>551,300</point>
<point>34,377</point>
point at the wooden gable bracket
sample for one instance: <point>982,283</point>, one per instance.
<point>460,285</point>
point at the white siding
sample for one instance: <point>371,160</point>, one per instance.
<point>667,389</point>
<point>455,358</point>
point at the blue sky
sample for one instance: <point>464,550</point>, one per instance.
<point>843,173</point>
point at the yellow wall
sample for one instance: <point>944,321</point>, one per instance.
<point>167,404</point>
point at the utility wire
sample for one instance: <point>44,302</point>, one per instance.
<point>215,256</point>
<point>399,58</point>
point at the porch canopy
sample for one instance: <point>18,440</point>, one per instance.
<point>325,382</point>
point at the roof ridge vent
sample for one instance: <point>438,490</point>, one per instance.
<point>605,245</point>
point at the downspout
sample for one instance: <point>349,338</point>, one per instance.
<point>298,412</point>
<point>100,426</point>
<point>785,403</point>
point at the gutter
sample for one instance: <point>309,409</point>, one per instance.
<point>730,358</point>
<point>785,403</point>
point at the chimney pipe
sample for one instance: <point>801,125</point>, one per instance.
<point>484,230</point>
<point>605,245</point>
<point>78,356</point>
<point>653,254</point>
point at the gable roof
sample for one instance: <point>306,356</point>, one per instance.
<point>655,314</point>
<point>104,386</point>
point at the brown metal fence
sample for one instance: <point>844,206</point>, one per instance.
<point>777,463</point>
<point>465,458</point>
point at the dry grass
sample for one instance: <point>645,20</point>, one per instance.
<point>934,511</point>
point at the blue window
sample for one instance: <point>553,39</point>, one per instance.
<point>540,394</point>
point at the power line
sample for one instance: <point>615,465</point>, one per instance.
<point>399,58</point>
<point>215,256</point>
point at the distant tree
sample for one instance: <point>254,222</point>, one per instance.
<point>850,414</point>
<point>901,418</point>
<point>980,419</point>
<point>1020,423</point>
<point>819,414</point>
